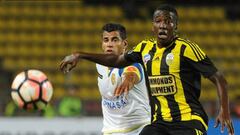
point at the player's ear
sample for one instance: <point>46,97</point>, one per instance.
<point>175,29</point>
<point>175,26</point>
<point>125,42</point>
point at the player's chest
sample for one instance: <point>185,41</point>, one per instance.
<point>111,75</point>
<point>161,61</point>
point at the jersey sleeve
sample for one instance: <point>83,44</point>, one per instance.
<point>194,52</point>
<point>135,54</point>
<point>199,60</point>
<point>134,68</point>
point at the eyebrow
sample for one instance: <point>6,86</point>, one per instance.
<point>115,37</point>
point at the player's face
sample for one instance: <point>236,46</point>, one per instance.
<point>163,26</point>
<point>112,43</point>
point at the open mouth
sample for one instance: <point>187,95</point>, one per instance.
<point>109,51</point>
<point>162,34</point>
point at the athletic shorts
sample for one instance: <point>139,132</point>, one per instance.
<point>174,128</point>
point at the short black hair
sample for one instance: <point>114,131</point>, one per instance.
<point>167,7</point>
<point>109,27</point>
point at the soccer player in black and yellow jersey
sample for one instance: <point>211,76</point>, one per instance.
<point>174,67</point>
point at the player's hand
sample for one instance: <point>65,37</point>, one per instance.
<point>224,119</point>
<point>69,62</point>
<point>129,80</point>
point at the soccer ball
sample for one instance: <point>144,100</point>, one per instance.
<point>31,90</point>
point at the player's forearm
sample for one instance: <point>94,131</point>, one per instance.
<point>223,95</point>
<point>109,60</point>
<point>221,84</point>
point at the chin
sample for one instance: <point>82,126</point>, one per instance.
<point>164,42</point>
<point>110,52</point>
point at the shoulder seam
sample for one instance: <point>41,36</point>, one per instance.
<point>195,49</point>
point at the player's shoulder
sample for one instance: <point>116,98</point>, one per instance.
<point>132,67</point>
<point>138,65</point>
<point>149,40</point>
<point>192,50</point>
<point>186,42</point>
<point>101,68</point>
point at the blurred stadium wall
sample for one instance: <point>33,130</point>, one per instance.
<point>39,34</point>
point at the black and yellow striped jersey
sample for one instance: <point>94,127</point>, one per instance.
<point>174,78</point>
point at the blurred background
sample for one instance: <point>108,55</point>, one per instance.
<point>38,34</point>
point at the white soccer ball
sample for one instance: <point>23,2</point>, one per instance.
<point>31,89</point>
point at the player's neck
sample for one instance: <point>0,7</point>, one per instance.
<point>165,44</point>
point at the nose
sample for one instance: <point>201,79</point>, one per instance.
<point>110,44</point>
<point>162,25</point>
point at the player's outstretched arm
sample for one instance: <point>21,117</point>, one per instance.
<point>223,117</point>
<point>110,60</point>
